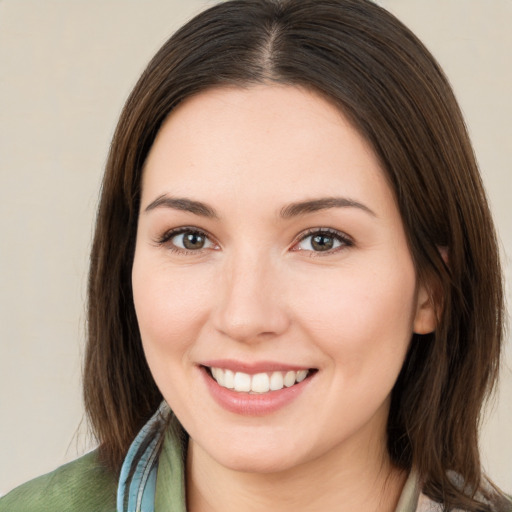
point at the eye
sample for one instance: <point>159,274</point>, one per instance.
<point>187,239</point>
<point>323,240</point>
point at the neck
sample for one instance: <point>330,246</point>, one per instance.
<point>336,481</point>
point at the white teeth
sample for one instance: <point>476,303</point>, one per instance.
<point>242,382</point>
<point>218,375</point>
<point>259,382</point>
<point>229,378</point>
<point>301,375</point>
<point>276,381</point>
<point>289,379</point>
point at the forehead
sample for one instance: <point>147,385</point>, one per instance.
<point>262,142</point>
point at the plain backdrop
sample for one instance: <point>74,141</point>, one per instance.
<point>66,68</point>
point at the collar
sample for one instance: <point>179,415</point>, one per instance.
<point>153,472</point>
<point>137,480</point>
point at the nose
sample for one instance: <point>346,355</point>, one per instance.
<point>251,306</point>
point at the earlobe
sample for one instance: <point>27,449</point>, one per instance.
<point>425,320</point>
<point>429,303</point>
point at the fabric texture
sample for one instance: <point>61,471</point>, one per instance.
<point>147,484</point>
<point>153,479</point>
<point>137,480</point>
<point>170,483</point>
<point>81,485</point>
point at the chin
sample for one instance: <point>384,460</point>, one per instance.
<point>257,462</point>
<point>252,455</point>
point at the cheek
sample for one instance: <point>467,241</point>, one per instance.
<point>361,318</point>
<point>170,307</point>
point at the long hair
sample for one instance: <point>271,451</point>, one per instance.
<point>366,62</point>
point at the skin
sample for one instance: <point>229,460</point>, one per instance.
<point>257,291</point>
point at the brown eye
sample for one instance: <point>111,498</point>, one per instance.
<point>322,242</point>
<point>190,240</point>
<point>193,241</point>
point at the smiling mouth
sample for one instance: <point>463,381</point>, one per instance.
<point>258,383</point>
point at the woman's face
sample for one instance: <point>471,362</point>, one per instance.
<point>271,258</point>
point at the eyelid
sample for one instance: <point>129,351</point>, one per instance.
<point>342,237</point>
<point>346,240</point>
<point>166,237</point>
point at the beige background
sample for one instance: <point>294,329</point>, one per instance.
<point>66,68</point>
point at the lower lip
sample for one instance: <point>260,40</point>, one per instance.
<point>253,404</point>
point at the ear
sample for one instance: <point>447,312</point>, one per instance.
<point>429,302</point>
<point>425,319</point>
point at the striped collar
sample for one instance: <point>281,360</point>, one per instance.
<point>153,475</point>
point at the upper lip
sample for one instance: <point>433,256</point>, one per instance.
<point>253,367</point>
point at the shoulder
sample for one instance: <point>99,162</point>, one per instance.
<point>82,485</point>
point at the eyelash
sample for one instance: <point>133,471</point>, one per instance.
<point>344,240</point>
<point>166,238</point>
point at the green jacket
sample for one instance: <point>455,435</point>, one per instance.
<point>84,485</point>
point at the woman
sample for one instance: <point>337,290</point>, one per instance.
<point>295,255</point>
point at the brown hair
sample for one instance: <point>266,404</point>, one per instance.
<point>381,76</point>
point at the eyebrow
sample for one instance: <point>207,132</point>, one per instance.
<point>287,212</point>
<point>183,204</point>
<point>324,203</point>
